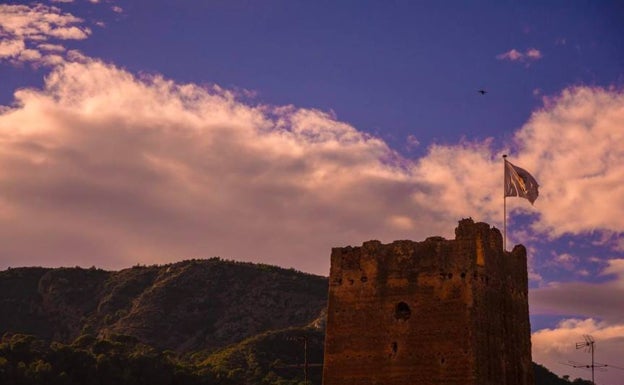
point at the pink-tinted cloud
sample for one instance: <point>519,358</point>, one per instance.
<point>11,48</point>
<point>412,142</point>
<point>596,309</point>
<point>531,54</point>
<point>566,261</point>
<point>574,145</point>
<point>171,171</point>
<point>511,55</point>
<point>27,29</point>
<point>604,300</point>
<point>555,347</point>
<point>51,47</point>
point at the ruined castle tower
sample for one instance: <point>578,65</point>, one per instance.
<point>429,313</point>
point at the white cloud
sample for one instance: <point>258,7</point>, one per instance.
<point>27,29</point>
<point>531,54</point>
<point>595,300</point>
<point>566,261</point>
<point>511,55</point>
<point>29,55</point>
<point>172,171</point>
<point>51,47</point>
<point>575,146</point>
<point>597,311</point>
<point>554,348</point>
<point>52,60</point>
<point>11,48</point>
<point>412,142</point>
<point>117,9</point>
<point>611,239</point>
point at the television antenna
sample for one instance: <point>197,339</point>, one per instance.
<point>589,345</point>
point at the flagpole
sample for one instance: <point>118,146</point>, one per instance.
<point>504,205</point>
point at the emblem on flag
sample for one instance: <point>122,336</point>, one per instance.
<point>519,183</point>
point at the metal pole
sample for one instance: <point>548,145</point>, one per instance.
<point>305,360</point>
<point>592,352</point>
<point>504,204</point>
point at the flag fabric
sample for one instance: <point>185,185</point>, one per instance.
<point>519,183</point>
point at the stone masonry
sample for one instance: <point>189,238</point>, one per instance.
<point>436,312</point>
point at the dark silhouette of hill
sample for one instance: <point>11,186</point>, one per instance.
<point>186,306</point>
<point>193,322</point>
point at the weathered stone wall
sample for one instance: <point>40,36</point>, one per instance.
<point>433,312</point>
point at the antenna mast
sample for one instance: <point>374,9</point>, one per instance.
<point>589,345</point>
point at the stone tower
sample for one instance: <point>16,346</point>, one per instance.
<point>429,313</point>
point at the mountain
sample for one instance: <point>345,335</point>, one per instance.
<point>186,306</point>
<point>193,322</point>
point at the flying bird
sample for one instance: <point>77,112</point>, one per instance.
<point>482,91</point>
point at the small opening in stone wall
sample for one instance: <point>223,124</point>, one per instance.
<point>395,347</point>
<point>402,311</point>
<point>463,275</point>
<point>450,275</point>
<point>442,360</point>
<point>364,279</point>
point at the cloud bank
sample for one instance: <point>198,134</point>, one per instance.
<point>171,171</point>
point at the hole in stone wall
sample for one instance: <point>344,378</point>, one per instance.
<point>402,311</point>
<point>442,360</point>
<point>395,347</point>
<point>450,275</point>
<point>463,275</point>
<point>364,279</point>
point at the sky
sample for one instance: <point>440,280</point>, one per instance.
<point>136,132</point>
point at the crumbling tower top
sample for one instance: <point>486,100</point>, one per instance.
<point>432,312</point>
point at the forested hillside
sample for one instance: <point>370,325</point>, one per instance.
<point>186,306</point>
<point>194,322</point>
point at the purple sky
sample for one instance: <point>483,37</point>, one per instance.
<point>150,132</point>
